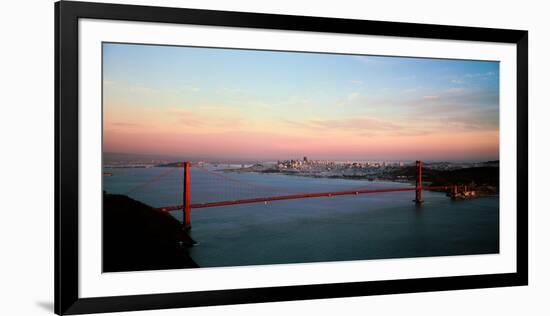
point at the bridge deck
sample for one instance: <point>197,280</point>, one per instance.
<point>298,196</point>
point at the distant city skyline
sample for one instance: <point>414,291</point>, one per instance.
<point>265,105</point>
<point>110,157</point>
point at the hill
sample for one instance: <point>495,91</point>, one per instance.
<point>138,237</point>
<point>486,176</point>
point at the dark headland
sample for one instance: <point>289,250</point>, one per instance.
<point>138,237</point>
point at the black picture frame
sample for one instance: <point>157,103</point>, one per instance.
<point>67,15</point>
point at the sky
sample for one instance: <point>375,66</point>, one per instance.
<point>214,103</point>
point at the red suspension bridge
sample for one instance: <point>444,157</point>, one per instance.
<point>266,192</point>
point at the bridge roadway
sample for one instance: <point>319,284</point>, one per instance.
<point>298,196</point>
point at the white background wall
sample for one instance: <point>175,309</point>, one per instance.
<point>26,157</point>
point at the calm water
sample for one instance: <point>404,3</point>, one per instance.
<point>368,226</point>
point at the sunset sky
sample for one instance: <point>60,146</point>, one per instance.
<point>260,105</point>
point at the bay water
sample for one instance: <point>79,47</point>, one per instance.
<point>353,227</point>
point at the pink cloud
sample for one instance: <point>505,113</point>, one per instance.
<point>279,145</point>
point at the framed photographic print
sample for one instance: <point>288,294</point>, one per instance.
<point>208,157</point>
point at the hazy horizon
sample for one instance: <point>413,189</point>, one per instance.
<point>230,104</point>
<point>112,157</point>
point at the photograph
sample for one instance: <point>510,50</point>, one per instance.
<point>221,157</point>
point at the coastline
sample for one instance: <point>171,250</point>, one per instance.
<point>488,186</point>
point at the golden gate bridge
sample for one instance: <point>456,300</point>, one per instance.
<point>186,205</point>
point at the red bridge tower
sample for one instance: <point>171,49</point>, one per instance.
<point>418,199</point>
<point>186,196</point>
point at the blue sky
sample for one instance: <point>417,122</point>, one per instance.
<point>383,99</point>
